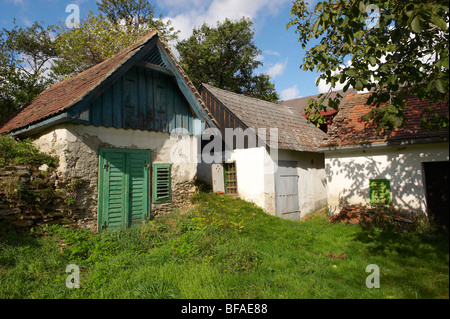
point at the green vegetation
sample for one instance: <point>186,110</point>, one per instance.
<point>23,152</point>
<point>29,187</point>
<point>394,49</point>
<point>224,248</point>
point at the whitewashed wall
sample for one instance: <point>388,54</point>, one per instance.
<point>256,179</point>
<point>349,172</point>
<point>312,181</point>
<point>78,147</point>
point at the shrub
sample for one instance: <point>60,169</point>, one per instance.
<point>23,152</point>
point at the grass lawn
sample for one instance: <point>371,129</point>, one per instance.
<point>224,248</point>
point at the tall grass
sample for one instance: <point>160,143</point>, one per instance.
<point>224,248</point>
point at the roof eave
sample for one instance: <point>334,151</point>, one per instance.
<point>41,125</point>
<point>396,143</point>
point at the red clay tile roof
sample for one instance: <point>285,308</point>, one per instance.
<point>64,94</point>
<point>348,127</point>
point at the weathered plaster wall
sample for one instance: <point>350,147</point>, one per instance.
<point>78,148</point>
<point>349,172</point>
<point>256,177</point>
<point>312,181</point>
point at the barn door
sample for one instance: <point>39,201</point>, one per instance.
<point>286,190</point>
<point>437,191</point>
<point>123,188</point>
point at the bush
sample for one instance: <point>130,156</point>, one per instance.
<point>23,152</point>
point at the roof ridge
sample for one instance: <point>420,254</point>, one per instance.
<point>100,72</point>
<point>250,97</point>
<point>294,131</point>
<point>106,60</point>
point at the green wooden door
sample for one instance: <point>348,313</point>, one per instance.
<point>124,190</point>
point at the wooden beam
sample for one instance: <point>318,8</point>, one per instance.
<point>155,67</point>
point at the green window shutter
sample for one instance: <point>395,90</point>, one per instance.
<point>124,188</point>
<point>112,190</point>
<point>380,191</point>
<point>162,192</point>
<point>138,186</point>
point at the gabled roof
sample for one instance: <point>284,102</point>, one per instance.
<point>349,128</point>
<point>294,132</point>
<point>299,104</point>
<point>59,98</point>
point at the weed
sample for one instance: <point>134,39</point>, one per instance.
<point>203,254</point>
<point>23,152</point>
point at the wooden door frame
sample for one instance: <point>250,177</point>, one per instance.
<point>101,219</point>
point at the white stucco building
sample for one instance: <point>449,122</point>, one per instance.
<point>272,157</point>
<point>407,168</point>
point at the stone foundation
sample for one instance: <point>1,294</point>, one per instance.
<point>29,198</point>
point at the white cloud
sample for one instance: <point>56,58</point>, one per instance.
<point>26,21</point>
<point>270,52</point>
<point>259,58</point>
<point>17,2</point>
<point>277,69</point>
<point>290,93</point>
<point>324,87</point>
<point>185,15</point>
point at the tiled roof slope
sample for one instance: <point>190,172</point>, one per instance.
<point>299,104</point>
<point>348,127</point>
<point>64,94</point>
<point>294,132</point>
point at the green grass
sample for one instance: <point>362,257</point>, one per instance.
<point>224,248</point>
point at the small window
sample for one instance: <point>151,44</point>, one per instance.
<point>161,183</point>
<point>380,191</point>
<point>230,178</point>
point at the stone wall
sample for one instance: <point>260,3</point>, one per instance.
<point>30,197</point>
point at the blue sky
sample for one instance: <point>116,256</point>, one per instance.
<point>281,52</point>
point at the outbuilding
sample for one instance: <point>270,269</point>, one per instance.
<point>407,168</point>
<point>128,127</point>
<point>266,154</point>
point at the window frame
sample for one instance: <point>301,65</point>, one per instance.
<point>155,191</point>
<point>373,184</point>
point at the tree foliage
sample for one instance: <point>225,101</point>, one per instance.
<point>225,56</point>
<point>32,58</point>
<point>25,58</point>
<point>119,24</point>
<point>392,48</point>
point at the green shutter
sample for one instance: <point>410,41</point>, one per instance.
<point>162,192</point>
<point>138,186</point>
<point>123,188</point>
<point>380,191</point>
<point>112,191</point>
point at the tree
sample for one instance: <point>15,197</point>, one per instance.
<point>225,56</point>
<point>392,48</point>
<point>33,58</point>
<point>25,58</point>
<point>119,24</point>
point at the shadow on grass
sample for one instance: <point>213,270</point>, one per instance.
<point>14,243</point>
<point>429,248</point>
<point>425,246</point>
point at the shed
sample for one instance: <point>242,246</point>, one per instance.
<point>407,168</point>
<point>129,127</point>
<point>270,154</point>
